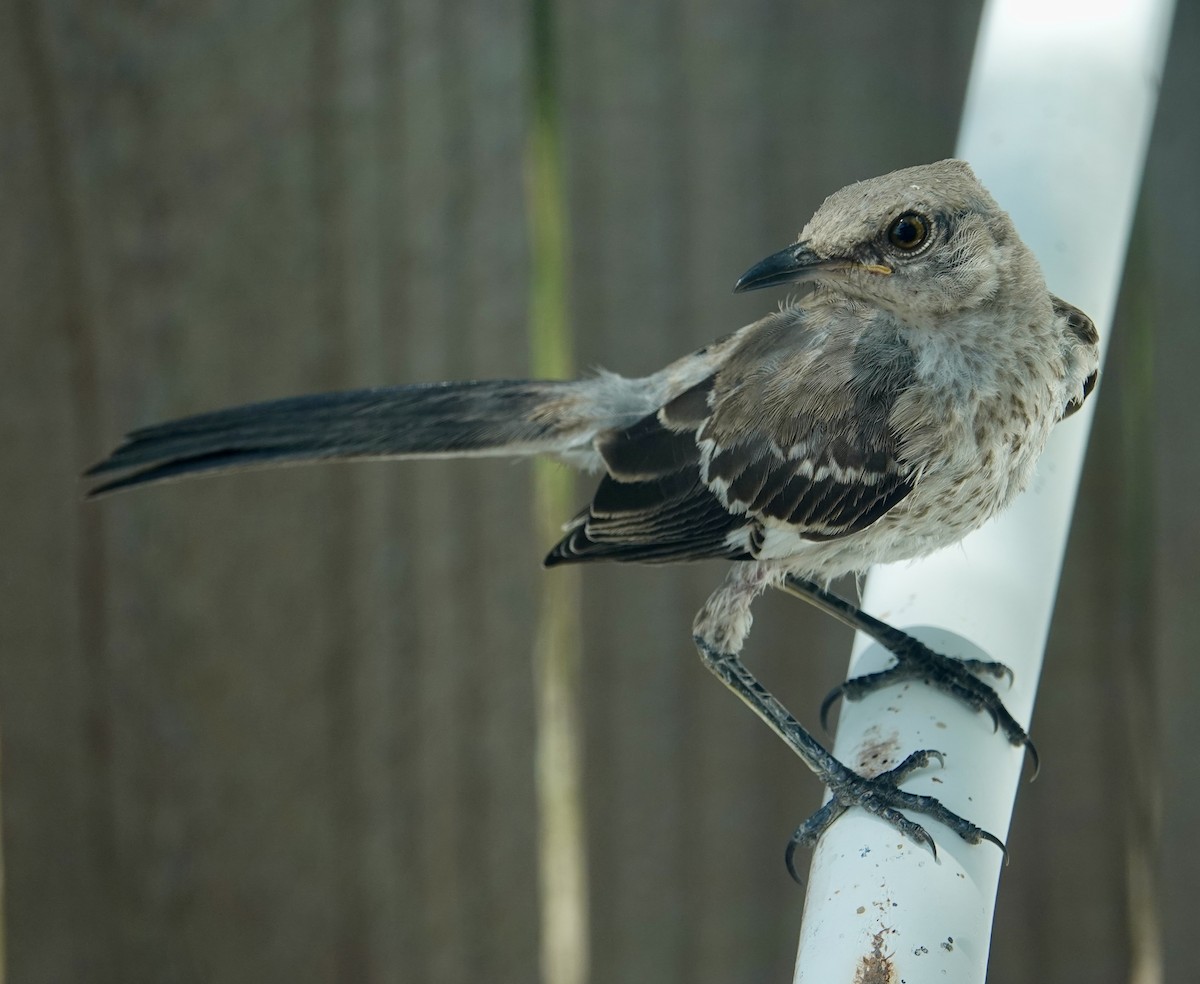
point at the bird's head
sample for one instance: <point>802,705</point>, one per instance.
<point>922,241</point>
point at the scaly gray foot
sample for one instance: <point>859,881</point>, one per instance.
<point>881,796</point>
<point>956,677</point>
<point>914,661</point>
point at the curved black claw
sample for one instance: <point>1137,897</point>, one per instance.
<point>858,687</point>
<point>808,833</point>
<point>1034,759</point>
<point>882,796</point>
<point>914,660</point>
<point>831,698</point>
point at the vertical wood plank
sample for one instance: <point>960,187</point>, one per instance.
<point>56,736</point>
<point>1172,434</point>
<point>280,725</point>
<point>256,670</point>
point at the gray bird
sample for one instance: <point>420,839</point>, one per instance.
<point>889,412</point>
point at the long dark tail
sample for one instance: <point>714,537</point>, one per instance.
<point>508,417</point>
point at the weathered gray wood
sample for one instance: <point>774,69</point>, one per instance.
<point>311,773</point>
<point>280,726</point>
<point>1165,434</point>
<point>53,706</point>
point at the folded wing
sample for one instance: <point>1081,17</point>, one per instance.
<point>807,446</point>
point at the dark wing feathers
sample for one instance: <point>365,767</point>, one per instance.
<point>702,476</point>
<point>1078,323</point>
<point>823,456</point>
<point>853,508</point>
<point>691,408</point>
<point>646,450</point>
<point>668,520</point>
<point>653,505</point>
<point>1084,329</point>
<point>825,495</point>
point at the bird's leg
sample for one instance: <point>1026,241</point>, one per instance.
<point>719,631</point>
<point>914,661</point>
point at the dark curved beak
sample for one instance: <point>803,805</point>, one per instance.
<point>792,265</point>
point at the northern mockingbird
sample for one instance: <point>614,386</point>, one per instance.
<point>888,413</point>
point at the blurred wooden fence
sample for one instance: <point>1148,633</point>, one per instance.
<point>281,726</point>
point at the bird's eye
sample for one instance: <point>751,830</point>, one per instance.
<point>909,231</point>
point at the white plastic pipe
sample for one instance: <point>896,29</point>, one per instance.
<point>1056,122</point>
